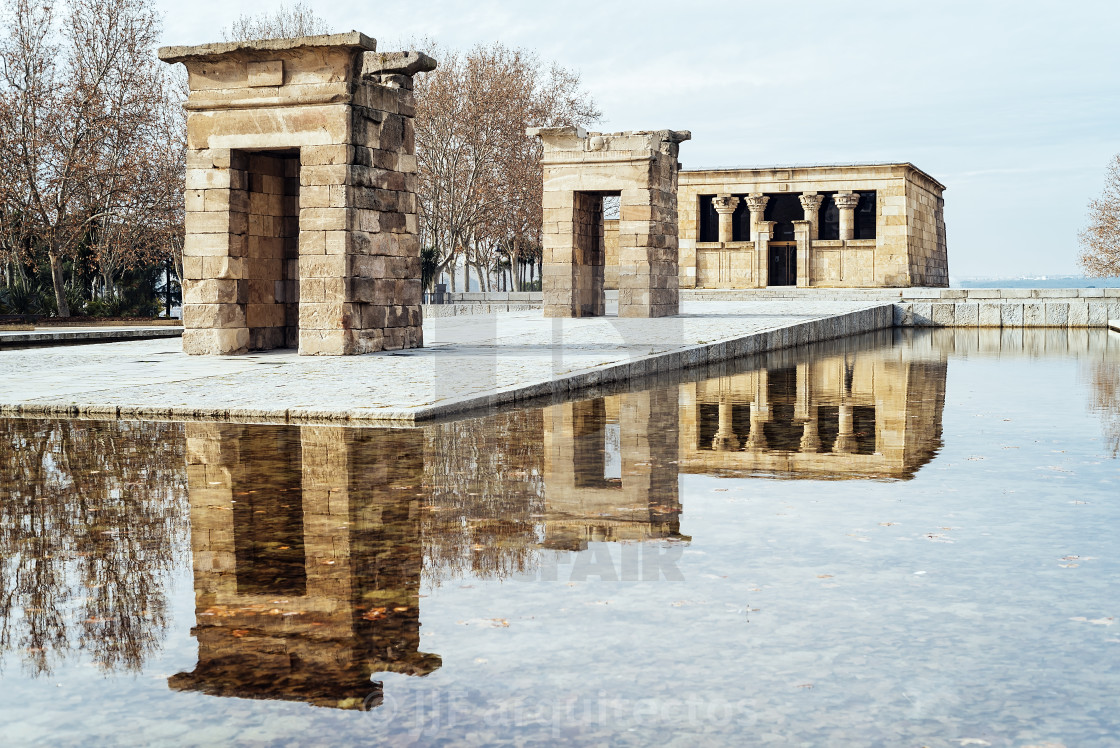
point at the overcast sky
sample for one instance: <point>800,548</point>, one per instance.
<point>1015,106</point>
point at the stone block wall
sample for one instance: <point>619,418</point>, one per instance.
<point>610,254</point>
<point>925,224</point>
<point>1010,307</point>
<point>301,210</point>
<point>957,307</point>
<point>886,263</point>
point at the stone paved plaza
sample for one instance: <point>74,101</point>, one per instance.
<point>468,362</point>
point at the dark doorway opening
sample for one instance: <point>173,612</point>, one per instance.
<point>741,221</point>
<point>828,218</point>
<point>595,450</point>
<point>865,216</point>
<point>589,254</point>
<point>272,249</point>
<point>783,264</point>
<point>783,209</point>
<point>709,220</point>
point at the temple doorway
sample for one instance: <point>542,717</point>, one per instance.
<point>783,264</point>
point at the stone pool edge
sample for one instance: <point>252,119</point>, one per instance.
<point>62,336</point>
<point>867,319</point>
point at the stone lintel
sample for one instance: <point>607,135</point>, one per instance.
<point>355,40</point>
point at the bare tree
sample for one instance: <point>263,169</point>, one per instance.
<point>131,98</point>
<point>285,23</point>
<point>1100,242</point>
<point>168,172</point>
<point>479,175</point>
<point>79,101</point>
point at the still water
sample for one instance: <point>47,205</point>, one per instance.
<point>900,539</point>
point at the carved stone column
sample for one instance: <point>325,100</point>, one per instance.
<point>802,396</point>
<point>725,205</point>
<point>760,233</point>
<point>847,202</point>
<point>756,203</point>
<point>760,414</point>
<point>811,204</point>
<point>756,439</point>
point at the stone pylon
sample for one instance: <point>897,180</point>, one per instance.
<point>301,223</point>
<point>581,168</point>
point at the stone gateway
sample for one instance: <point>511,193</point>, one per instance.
<point>301,224</point>
<point>580,169</point>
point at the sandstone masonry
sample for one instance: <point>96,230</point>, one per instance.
<point>581,168</point>
<point>301,225</point>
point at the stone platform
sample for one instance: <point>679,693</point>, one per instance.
<point>469,363</point>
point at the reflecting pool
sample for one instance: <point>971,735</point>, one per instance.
<point>905,538</point>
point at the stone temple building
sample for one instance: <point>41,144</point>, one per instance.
<point>845,226</point>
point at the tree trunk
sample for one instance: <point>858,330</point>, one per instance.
<point>59,284</point>
<point>483,277</point>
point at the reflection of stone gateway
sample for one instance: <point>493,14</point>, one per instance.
<point>301,224</point>
<point>307,561</point>
<point>599,489</point>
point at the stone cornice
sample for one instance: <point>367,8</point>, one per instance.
<point>764,175</point>
<point>355,40</point>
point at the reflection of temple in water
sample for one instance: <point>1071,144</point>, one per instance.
<point>307,561</point>
<point>310,542</point>
<point>610,469</point>
<point>830,413</point>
